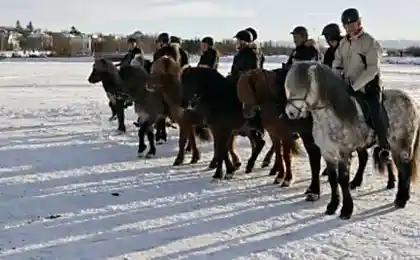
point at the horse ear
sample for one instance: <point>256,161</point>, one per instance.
<point>103,62</point>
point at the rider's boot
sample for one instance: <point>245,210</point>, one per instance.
<point>378,122</point>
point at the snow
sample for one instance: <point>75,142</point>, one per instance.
<point>70,190</point>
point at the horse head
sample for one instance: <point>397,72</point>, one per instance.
<point>312,86</point>
<point>105,71</point>
<point>165,73</point>
<point>254,89</point>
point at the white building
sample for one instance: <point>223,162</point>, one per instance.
<point>79,44</point>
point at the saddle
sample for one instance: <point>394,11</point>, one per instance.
<point>365,106</point>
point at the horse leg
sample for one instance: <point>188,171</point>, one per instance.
<point>184,133</point>
<point>113,111</point>
<point>404,181</point>
<point>230,167</point>
<point>287,157</point>
<point>141,133</point>
<point>119,106</point>
<point>221,152</point>
<point>343,181</point>
<point>161,135</point>
<point>233,154</point>
<point>268,156</point>
<point>213,162</point>
<point>335,195</point>
<point>259,143</point>
<point>314,154</point>
<point>358,178</point>
<point>151,138</point>
<point>391,177</point>
<point>277,169</point>
<point>195,156</point>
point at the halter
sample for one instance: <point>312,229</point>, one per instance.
<point>304,99</point>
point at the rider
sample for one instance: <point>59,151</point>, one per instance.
<point>164,48</point>
<point>305,48</point>
<point>254,45</point>
<point>332,35</point>
<point>134,52</point>
<point>176,41</point>
<point>358,60</point>
<point>209,57</point>
<point>246,58</point>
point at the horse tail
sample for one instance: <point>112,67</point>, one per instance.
<point>203,133</point>
<point>414,158</point>
<point>378,164</point>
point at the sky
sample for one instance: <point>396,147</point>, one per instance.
<point>273,19</point>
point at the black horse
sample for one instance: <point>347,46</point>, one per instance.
<point>111,83</point>
<point>214,96</point>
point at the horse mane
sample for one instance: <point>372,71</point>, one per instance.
<point>166,70</point>
<point>333,90</point>
<point>258,85</point>
<point>176,47</point>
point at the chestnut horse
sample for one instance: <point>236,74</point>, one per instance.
<point>263,90</point>
<point>164,79</point>
<point>256,92</point>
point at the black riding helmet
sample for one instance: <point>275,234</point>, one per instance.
<point>163,38</point>
<point>300,30</point>
<point>244,35</point>
<point>331,32</point>
<point>208,40</point>
<point>350,15</point>
<point>175,39</point>
<point>131,39</point>
<point>253,32</point>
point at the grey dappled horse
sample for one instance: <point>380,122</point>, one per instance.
<point>340,128</point>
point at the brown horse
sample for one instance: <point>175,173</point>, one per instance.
<point>256,91</point>
<point>165,79</point>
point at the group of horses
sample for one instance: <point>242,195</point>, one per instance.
<point>308,101</point>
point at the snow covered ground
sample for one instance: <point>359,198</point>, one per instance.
<point>70,190</point>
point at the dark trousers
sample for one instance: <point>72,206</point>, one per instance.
<point>373,96</point>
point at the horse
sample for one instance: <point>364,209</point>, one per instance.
<point>342,125</point>
<point>258,90</point>
<point>102,71</point>
<point>214,96</point>
<point>165,81</point>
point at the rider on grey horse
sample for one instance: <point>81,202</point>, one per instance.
<point>358,59</point>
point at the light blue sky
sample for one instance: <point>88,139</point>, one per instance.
<point>188,18</point>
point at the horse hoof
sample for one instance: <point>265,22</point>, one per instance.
<point>325,173</point>
<point>265,164</point>
<point>312,197</point>
<point>229,176</point>
<point>286,183</point>
<point>400,204</point>
<point>112,118</point>
<point>194,160</point>
<point>385,156</point>
<point>272,172</point>
<point>390,186</point>
<point>140,154</point>
<point>354,185</point>
<point>345,216</point>
<point>237,165</point>
<point>150,155</point>
<point>160,142</point>
<point>212,165</point>
<point>136,124</point>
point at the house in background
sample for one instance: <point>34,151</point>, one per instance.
<point>67,44</point>
<point>39,41</point>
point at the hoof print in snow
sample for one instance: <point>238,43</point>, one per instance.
<point>53,216</point>
<point>115,194</point>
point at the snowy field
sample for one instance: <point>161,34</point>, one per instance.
<point>69,190</point>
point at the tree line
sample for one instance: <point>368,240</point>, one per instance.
<point>112,44</point>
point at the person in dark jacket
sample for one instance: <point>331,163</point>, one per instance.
<point>256,47</point>
<point>332,35</point>
<point>209,57</point>
<point>134,52</point>
<point>176,42</point>
<point>246,58</point>
<point>305,48</point>
<point>164,48</point>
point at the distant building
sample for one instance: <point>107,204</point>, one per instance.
<point>39,41</point>
<point>67,44</point>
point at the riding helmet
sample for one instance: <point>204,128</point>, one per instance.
<point>350,15</point>
<point>175,39</point>
<point>208,40</point>
<point>244,35</point>
<point>331,31</point>
<point>253,32</point>
<point>131,39</point>
<point>163,38</point>
<point>300,30</point>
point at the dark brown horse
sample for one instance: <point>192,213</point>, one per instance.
<point>214,96</point>
<point>165,79</point>
<point>257,91</point>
